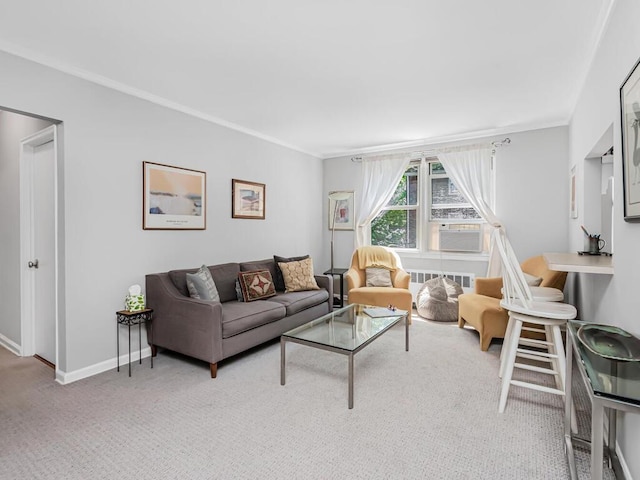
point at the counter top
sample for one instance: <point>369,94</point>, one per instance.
<point>572,262</point>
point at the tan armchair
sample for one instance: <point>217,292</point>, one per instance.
<point>397,295</point>
<point>482,309</point>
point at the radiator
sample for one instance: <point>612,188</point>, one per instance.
<point>418,277</point>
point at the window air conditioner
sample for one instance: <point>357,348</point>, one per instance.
<point>460,238</point>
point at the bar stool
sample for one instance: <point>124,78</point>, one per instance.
<point>547,317</point>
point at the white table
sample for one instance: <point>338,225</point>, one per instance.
<point>573,262</point>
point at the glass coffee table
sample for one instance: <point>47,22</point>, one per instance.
<point>346,331</point>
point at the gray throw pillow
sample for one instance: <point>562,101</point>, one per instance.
<point>202,286</point>
<point>378,277</point>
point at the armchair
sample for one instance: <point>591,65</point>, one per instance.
<point>482,309</point>
<point>398,294</point>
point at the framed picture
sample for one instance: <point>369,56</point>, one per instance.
<point>630,113</point>
<point>341,213</point>
<point>247,199</point>
<point>173,198</point>
<point>573,205</point>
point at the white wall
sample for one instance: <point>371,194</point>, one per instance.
<point>13,128</point>
<point>611,299</point>
<point>532,199</point>
<point>107,135</point>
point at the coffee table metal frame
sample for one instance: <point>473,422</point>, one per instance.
<point>394,319</point>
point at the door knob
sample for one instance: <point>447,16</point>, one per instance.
<point>33,264</point>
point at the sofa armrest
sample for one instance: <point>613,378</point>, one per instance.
<point>353,279</point>
<point>490,287</point>
<point>401,279</point>
<point>326,282</point>
<point>185,325</point>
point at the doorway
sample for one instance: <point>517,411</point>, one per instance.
<point>38,245</point>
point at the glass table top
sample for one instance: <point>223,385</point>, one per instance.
<point>347,328</point>
<point>616,379</point>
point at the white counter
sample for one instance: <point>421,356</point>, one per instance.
<point>572,262</point>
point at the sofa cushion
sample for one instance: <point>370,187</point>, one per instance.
<point>238,317</point>
<point>256,285</point>
<point>298,276</point>
<point>179,279</point>
<point>296,302</point>
<point>202,286</point>
<point>278,278</point>
<point>224,276</point>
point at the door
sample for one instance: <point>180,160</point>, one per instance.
<point>38,248</point>
<point>44,252</point>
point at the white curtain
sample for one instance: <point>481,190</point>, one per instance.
<point>379,178</point>
<point>470,170</point>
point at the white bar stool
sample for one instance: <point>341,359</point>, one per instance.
<point>547,317</point>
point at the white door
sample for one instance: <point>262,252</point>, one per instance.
<point>44,251</point>
<point>38,247</point>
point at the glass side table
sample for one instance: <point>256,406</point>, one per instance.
<point>612,385</point>
<point>127,318</point>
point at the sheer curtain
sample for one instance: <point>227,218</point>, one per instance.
<point>379,179</point>
<point>470,170</point>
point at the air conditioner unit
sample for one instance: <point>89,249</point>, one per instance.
<point>460,238</point>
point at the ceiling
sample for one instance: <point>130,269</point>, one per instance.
<point>327,77</point>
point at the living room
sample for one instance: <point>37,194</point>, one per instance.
<point>106,132</point>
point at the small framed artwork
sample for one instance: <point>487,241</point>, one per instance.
<point>341,214</point>
<point>573,201</point>
<point>630,113</point>
<point>247,199</point>
<point>173,198</point>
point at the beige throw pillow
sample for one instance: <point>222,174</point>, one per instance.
<point>378,277</point>
<point>531,280</point>
<point>298,276</point>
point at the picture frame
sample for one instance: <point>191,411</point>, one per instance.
<point>173,198</point>
<point>248,199</point>
<point>630,129</point>
<point>341,211</point>
<point>573,199</point>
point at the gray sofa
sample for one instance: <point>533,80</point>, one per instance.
<point>213,331</point>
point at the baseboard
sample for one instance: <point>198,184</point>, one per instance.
<point>10,345</point>
<point>65,378</point>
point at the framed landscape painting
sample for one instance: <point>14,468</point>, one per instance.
<point>630,117</point>
<point>173,198</point>
<point>247,199</point>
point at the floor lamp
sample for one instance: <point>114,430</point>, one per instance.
<point>336,197</point>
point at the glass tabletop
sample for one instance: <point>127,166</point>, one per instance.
<point>609,378</point>
<point>347,328</point>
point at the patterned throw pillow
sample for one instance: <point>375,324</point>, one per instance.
<point>256,285</point>
<point>278,279</point>
<point>378,277</point>
<point>201,285</point>
<point>298,276</point>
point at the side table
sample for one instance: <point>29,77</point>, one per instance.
<point>611,385</point>
<point>125,317</point>
<point>340,273</point>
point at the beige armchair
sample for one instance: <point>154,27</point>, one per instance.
<point>397,295</point>
<point>482,309</point>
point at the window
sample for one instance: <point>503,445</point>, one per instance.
<point>428,215</point>
<point>397,224</point>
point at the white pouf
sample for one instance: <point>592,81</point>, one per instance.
<point>438,300</point>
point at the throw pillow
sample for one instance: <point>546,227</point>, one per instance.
<point>378,277</point>
<point>201,285</point>
<point>256,285</point>
<point>239,296</point>
<point>531,280</point>
<point>298,275</point>
<point>279,279</point>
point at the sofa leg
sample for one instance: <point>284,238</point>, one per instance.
<point>154,351</point>
<point>461,322</point>
<point>485,342</point>
<point>214,369</point>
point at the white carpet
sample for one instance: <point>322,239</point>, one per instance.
<point>430,413</point>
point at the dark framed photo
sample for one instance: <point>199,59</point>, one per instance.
<point>630,116</point>
<point>173,198</point>
<point>247,199</point>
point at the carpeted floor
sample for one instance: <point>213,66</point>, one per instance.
<point>430,413</point>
